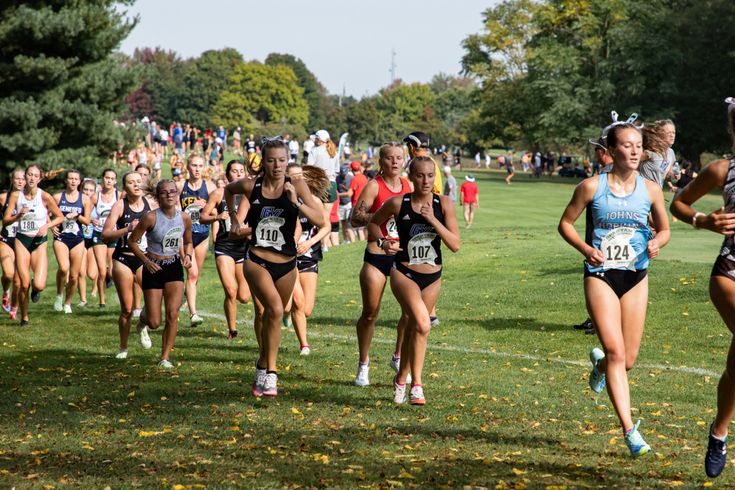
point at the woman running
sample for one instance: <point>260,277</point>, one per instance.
<point>229,252</point>
<point>423,221</point>
<point>89,264</point>
<point>126,268</point>
<point>69,239</point>
<point>270,262</point>
<point>616,265</point>
<point>658,158</point>
<point>167,234</point>
<point>194,193</point>
<point>102,250</point>
<point>309,253</point>
<point>377,264</point>
<point>719,174</point>
<point>31,208</point>
<point>7,249</point>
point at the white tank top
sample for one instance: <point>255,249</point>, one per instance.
<point>103,211</point>
<point>37,214</point>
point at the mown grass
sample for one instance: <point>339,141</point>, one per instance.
<point>506,380</point>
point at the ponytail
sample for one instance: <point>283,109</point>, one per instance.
<point>331,149</point>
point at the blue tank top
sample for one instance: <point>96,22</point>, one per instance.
<point>187,198</point>
<point>620,226</point>
<point>71,227</point>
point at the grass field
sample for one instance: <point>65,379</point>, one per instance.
<point>506,380</point>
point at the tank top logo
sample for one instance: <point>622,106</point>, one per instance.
<point>270,211</point>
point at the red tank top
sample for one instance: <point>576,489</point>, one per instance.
<point>388,228</point>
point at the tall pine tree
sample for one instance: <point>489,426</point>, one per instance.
<point>61,85</point>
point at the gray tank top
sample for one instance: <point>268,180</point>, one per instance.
<point>167,235</point>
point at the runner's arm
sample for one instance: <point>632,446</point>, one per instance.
<point>312,207</point>
<point>9,218</point>
<point>582,196</point>
<point>209,211</point>
<point>713,176</point>
<point>146,224</point>
<point>361,215</point>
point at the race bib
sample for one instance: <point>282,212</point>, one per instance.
<point>302,239</point>
<point>103,217</point>
<point>27,223</point>
<point>420,250</point>
<point>618,251</point>
<point>194,211</point>
<point>392,229</point>
<point>142,243</point>
<point>12,229</point>
<point>171,242</point>
<point>70,226</point>
<point>268,233</point>
<point>87,231</point>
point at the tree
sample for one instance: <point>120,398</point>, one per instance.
<point>202,80</point>
<point>258,94</point>
<point>60,85</point>
<point>160,90</point>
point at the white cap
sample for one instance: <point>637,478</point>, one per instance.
<point>322,135</point>
<point>218,139</point>
<point>447,169</point>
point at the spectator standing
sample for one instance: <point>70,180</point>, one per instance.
<point>450,184</point>
<point>359,179</point>
<point>470,199</point>
<point>308,147</point>
<point>293,149</point>
<point>344,179</point>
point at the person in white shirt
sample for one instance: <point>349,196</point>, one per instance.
<point>324,156</point>
<point>308,146</point>
<point>293,148</point>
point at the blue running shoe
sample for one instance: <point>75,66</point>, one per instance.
<point>634,441</point>
<point>597,379</point>
<point>716,457</point>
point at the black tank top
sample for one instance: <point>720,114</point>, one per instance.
<point>273,221</point>
<point>307,232</point>
<point>5,229</point>
<point>418,239</point>
<point>223,231</point>
<point>127,217</point>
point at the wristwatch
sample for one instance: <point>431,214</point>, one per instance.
<point>380,242</point>
<point>694,219</point>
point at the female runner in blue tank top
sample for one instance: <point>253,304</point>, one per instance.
<point>7,248</point>
<point>423,221</point>
<point>169,251</point>
<point>69,239</point>
<point>718,175</point>
<point>193,196</point>
<point>616,264</point>
<point>126,268</point>
<point>270,263</point>
<point>229,252</point>
<point>35,211</point>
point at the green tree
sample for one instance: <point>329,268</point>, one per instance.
<point>61,87</point>
<point>201,81</point>
<point>160,89</point>
<point>257,95</point>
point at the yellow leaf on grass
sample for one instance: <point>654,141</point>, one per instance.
<point>405,474</point>
<point>707,484</point>
<point>518,472</point>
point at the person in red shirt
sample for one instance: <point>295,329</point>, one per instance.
<point>469,197</point>
<point>356,185</point>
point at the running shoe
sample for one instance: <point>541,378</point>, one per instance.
<point>305,350</point>
<point>108,283</point>
<point>231,334</point>
<point>122,354</point>
<point>102,305</point>
<point>259,383</point>
<point>361,378</point>
<point>6,302</point>
<point>634,441</point>
<point>145,339</point>
<point>270,387</point>
<point>716,457</point>
<point>395,363</point>
<point>287,320</point>
<point>137,312</point>
<point>399,391</point>
<point>416,396</point>
<point>93,294</point>
<point>67,309</point>
<point>82,304</point>
<point>36,296</point>
<point>585,325</point>
<point>24,323</point>
<point>58,303</point>
<point>434,321</point>
<point>165,364</point>
<point>195,320</point>
<point>13,313</point>
<point>597,379</point>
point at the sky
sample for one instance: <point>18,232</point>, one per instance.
<point>345,43</point>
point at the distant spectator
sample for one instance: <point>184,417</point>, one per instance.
<point>308,146</point>
<point>222,135</point>
<point>469,198</point>
<point>356,185</point>
<point>293,149</point>
<point>236,139</point>
<point>458,157</point>
<point>344,211</point>
<point>488,160</point>
<point>450,184</point>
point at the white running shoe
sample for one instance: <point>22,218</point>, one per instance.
<point>145,339</point>
<point>361,378</point>
<point>165,364</point>
<point>67,309</point>
<point>597,379</point>
<point>259,383</point>
<point>399,392</point>
<point>305,350</point>
<point>122,354</point>
<point>395,364</point>
<point>416,395</point>
<point>195,320</point>
<point>137,312</point>
<point>82,304</point>
<point>59,303</point>
<point>270,388</point>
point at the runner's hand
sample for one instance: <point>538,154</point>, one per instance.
<point>302,247</point>
<point>653,248</point>
<point>427,212</point>
<point>719,221</point>
<point>391,247</point>
<point>56,231</point>
<point>200,202</point>
<point>291,192</point>
<point>22,211</point>
<point>186,261</point>
<point>594,257</point>
<point>224,216</point>
<point>152,267</point>
<point>42,231</point>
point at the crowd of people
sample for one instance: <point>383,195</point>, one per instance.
<point>273,217</point>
